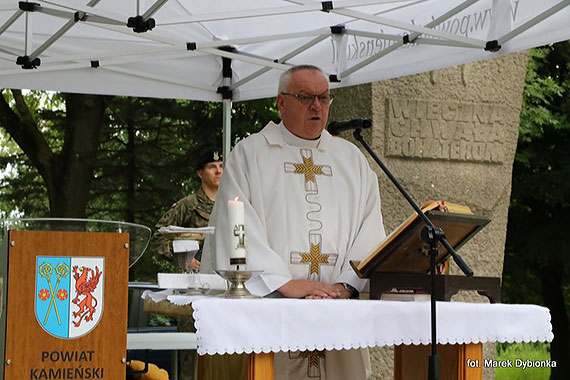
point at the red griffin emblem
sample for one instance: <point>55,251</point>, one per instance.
<point>86,281</point>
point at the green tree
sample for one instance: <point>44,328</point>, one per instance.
<point>149,148</point>
<point>537,259</point>
<point>148,153</point>
<point>60,147</point>
<point>142,154</point>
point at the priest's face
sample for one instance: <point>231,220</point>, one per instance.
<point>304,120</point>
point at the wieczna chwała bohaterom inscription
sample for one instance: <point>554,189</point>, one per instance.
<point>445,130</point>
<point>68,365</point>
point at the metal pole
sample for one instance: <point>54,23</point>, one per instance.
<point>530,23</point>
<point>226,92</point>
<point>227,127</point>
<point>28,35</point>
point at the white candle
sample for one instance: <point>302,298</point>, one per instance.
<point>236,218</point>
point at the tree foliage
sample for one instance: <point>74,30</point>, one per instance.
<point>124,159</point>
<point>149,148</point>
<point>61,146</point>
<point>148,154</point>
<point>537,259</point>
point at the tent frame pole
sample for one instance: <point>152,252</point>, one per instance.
<point>283,59</point>
<point>227,128</point>
<point>54,37</point>
<point>11,20</point>
<point>299,8</point>
<point>226,92</point>
<point>152,10</point>
<point>428,30</point>
<point>28,33</point>
<point>530,23</point>
<point>412,37</point>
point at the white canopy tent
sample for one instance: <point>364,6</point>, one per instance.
<point>224,50</point>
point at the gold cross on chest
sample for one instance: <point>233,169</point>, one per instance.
<point>308,169</point>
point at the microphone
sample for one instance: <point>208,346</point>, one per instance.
<point>336,127</point>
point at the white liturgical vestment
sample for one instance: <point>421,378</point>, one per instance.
<point>311,206</point>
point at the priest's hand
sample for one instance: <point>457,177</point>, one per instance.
<point>194,264</point>
<point>311,289</point>
<point>342,290</point>
<point>343,293</point>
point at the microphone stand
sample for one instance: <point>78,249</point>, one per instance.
<point>431,235</point>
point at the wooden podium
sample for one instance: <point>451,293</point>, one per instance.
<point>65,302</point>
<point>411,362</point>
<point>401,262</point>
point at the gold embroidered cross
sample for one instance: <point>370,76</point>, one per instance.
<point>315,258</point>
<point>308,169</point>
<point>313,362</point>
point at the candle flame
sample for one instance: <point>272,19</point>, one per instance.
<point>236,198</point>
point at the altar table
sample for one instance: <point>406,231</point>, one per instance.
<point>264,326</point>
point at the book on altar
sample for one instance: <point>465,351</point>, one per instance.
<point>405,295</point>
<point>403,251</point>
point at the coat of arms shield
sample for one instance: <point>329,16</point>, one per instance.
<point>69,294</point>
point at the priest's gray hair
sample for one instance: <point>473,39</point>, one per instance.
<point>285,77</point>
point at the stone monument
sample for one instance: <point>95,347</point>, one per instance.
<point>446,135</point>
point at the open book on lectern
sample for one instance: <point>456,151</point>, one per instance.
<point>403,252</point>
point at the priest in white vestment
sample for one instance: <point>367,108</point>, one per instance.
<point>311,205</point>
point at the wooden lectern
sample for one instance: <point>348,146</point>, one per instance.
<point>401,262</point>
<point>65,300</point>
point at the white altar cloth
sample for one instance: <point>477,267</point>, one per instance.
<point>256,325</point>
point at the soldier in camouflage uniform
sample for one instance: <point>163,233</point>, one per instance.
<point>191,211</point>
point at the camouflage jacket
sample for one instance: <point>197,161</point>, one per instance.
<point>191,211</point>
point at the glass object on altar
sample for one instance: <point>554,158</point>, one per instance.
<point>185,245</point>
<point>183,252</point>
<point>183,259</point>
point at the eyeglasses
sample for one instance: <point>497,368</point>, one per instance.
<point>306,99</point>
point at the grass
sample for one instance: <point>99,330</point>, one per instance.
<point>522,351</point>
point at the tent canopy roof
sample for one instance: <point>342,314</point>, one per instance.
<point>92,46</point>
